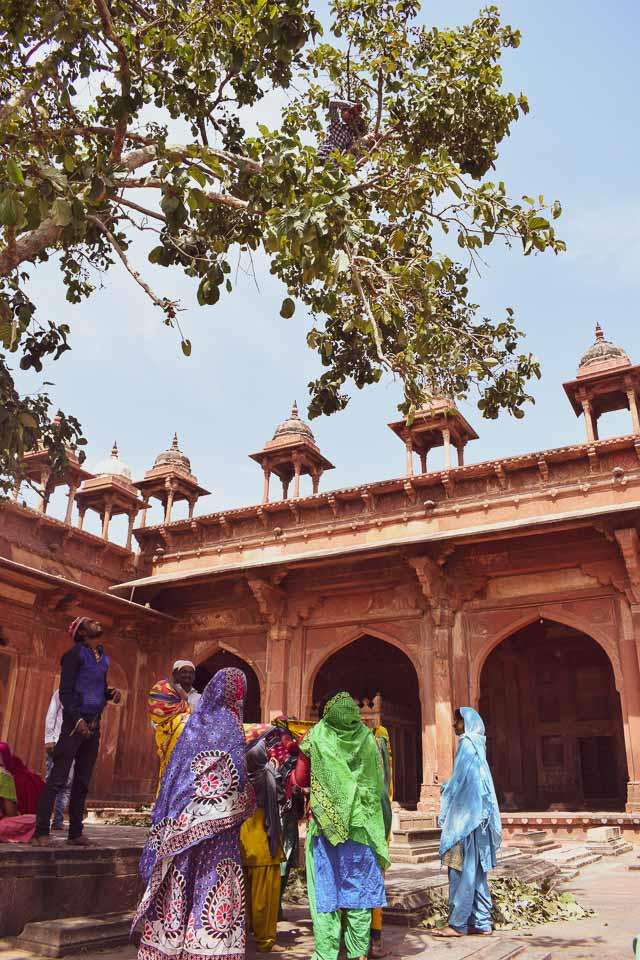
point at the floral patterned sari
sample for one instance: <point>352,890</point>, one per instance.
<point>193,907</point>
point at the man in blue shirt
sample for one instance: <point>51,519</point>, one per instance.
<point>84,693</point>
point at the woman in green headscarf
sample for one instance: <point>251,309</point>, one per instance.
<point>346,843</point>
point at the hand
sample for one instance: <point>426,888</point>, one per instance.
<point>82,728</point>
<point>49,748</point>
<point>117,696</point>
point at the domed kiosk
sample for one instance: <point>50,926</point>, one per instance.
<point>170,480</point>
<point>605,380</point>
<point>291,453</point>
<point>110,492</point>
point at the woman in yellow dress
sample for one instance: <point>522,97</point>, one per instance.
<point>169,711</point>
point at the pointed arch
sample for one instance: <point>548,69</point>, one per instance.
<point>547,691</point>
<point>224,657</point>
<point>381,675</point>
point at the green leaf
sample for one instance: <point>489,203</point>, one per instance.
<point>61,212</point>
<point>14,172</point>
<point>397,239</point>
<point>186,347</point>
<point>11,209</point>
<point>69,162</point>
<point>288,308</point>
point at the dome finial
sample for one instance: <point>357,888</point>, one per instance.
<point>114,450</point>
<point>599,332</point>
<point>294,411</point>
<point>174,442</point>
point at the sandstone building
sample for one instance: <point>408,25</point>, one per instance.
<point>512,585</point>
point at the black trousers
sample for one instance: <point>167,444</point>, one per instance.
<point>70,747</point>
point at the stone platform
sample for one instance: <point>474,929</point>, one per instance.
<point>49,883</point>
<point>567,825</point>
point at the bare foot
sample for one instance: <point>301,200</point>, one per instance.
<point>446,933</point>
<point>82,841</point>
<point>480,933</point>
<point>42,841</point>
<point>377,951</point>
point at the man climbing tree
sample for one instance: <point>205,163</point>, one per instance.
<point>346,125</point>
<point>90,163</point>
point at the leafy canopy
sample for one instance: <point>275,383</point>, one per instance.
<point>88,93</point>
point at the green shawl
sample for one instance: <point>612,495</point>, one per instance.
<point>346,778</point>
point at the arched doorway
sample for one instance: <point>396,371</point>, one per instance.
<point>555,737</point>
<point>223,658</point>
<point>384,681</point>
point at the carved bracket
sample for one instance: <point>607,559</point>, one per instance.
<point>629,544</point>
<point>270,599</point>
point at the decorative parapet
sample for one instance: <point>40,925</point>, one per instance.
<point>540,487</point>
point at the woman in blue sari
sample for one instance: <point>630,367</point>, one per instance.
<point>193,907</point>
<point>471,830</point>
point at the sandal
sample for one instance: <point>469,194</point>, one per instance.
<point>446,933</point>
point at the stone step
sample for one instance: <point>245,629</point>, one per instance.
<point>416,836</point>
<point>415,854</point>
<point>414,822</point>
<point>11,953</point>
<point>534,841</point>
<point>55,938</point>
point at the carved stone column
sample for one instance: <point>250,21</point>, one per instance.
<point>629,644</point>
<point>439,739</point>
<point>272,604</point>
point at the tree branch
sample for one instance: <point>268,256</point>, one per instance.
<point>125,78</point>
<point>30,244</point>
<point>166,305</point>
<point>43,71</point>
<point>136,206</point>
<point>357,283</point>
<point>380,99</point>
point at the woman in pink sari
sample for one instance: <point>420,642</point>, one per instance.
<point>20,791</point>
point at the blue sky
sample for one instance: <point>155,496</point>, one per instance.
<point>126,378</point>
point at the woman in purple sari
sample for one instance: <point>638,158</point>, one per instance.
<point>193,907</point>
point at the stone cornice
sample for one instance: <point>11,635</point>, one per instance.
<point>493,498</point>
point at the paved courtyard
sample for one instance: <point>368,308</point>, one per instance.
<point>608,887</point>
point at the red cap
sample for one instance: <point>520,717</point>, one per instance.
<point>77,623</point>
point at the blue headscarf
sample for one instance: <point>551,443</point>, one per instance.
<point>469,799</point>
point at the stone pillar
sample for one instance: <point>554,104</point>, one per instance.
<point>633,407</point>
<point>446,437</point>
<point>423,461</point>
<point>71,499</point>
<point>590,421</point>
<point>429,801</point>
<point>315,480</point>
<point>460,449</point>
<point>192,504</point>
<point>265,489</point>
<point>629,659</point>
<point>409,446</point>
<point>132,520</point>
<point>278,643</point>
<point>43,501</point>
<point>438,741</point>
<point>81,513</point>
<point>106,519</point>
<point>144,509</point>
<point>629,645</point>
<point>272,604</point>
<point>169,505</point>
<point>442,693</point>
<point>285,489</point>
<point>297,466</point>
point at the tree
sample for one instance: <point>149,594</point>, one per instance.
<point>89,90</point>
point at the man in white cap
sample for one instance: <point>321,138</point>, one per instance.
<point>184,675</point>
